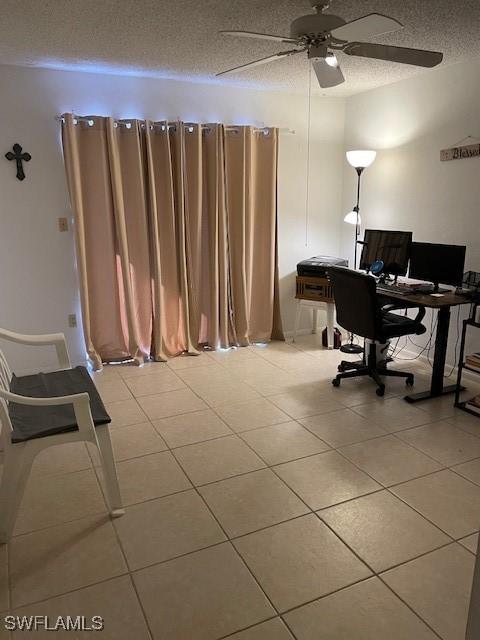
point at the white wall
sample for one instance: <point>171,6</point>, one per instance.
<point>38,283</point>
<point>408,188</point>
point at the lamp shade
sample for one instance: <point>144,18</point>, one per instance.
<point>351,218</point>
<point>361,159</point>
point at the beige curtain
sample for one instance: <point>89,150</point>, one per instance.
<point>251,179</point>
<point>175,235</point>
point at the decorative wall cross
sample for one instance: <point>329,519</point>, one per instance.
<point>20,158</point>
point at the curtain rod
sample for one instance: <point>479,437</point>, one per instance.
<point>172,125</point>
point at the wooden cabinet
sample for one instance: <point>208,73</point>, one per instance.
<point>315,289</point>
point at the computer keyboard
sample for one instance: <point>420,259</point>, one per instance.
<point>403,289</point>
<point>393,288</point>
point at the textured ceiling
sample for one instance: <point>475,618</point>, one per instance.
<point>178,38</point>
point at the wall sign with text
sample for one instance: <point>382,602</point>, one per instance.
<point>458,153</point>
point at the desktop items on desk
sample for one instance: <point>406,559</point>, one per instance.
<point>390,254</point>
<point>441,264</point>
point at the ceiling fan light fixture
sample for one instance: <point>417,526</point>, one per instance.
<point>361,159</point>
<point>331,60</point>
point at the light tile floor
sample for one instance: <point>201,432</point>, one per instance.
<point>261,504</point>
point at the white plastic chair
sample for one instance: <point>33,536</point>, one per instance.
<point>18,457</point>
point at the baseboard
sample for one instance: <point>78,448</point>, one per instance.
<point>301,332</point>
<point>308,332</point>
<point>468,375</point>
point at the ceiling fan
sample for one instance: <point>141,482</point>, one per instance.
<point>322,34</point>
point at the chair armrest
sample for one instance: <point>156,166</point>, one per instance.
<point>392,307</point>
<point>80,402</point>
<point>56,339</point>
<point>79,399</point>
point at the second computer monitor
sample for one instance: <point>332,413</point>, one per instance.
<point>391,247</point>
<point>438,263</point>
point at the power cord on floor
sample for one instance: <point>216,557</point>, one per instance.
<point>457,342</point>
<point>394,352</point>
<point>428,346</point>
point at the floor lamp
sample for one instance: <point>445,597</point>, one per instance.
<point>359,160</point>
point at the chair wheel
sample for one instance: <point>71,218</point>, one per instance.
<point>335,382</point>
<point>410,381</point>
<point>340,368</point>
<point>381,391</point>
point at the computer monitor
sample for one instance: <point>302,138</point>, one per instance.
<point>437,263</point>
<point>391,247</point>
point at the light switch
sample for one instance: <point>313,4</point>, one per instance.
<point>62,224</point>
<point>72,321</point>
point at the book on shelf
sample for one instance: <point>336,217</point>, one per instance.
<point>473,408</point>
<point>472,365</point>
<point>473,404</point>
<point>472,368</point>
<point>473,361</point>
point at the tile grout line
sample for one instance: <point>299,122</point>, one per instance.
<point>453,470</point>
<point>415,613</point>
<point>140,603</point>
<point>396,434</point>
<point>424,516</point>
<point>134,586</point>
<point>251,626</point>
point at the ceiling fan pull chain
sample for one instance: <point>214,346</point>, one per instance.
<point>309,122</point>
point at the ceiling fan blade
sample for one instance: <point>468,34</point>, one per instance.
<point>327,75</point>
<point>418,57</point>
<point>256,63</point>
<point>259,36</point>
<point>375,24</point>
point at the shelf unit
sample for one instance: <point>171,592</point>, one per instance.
<point>464,367</point>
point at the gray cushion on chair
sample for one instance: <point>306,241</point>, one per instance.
<point>37,422</point>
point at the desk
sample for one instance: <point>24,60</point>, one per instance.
<point>443,305</point>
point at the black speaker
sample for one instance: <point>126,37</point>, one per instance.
<point>337,338</point>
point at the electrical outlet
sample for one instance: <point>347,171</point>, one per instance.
<point>62,224</point>
<point>72,320</point>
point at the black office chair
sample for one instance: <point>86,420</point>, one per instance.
<point>361,311</point>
